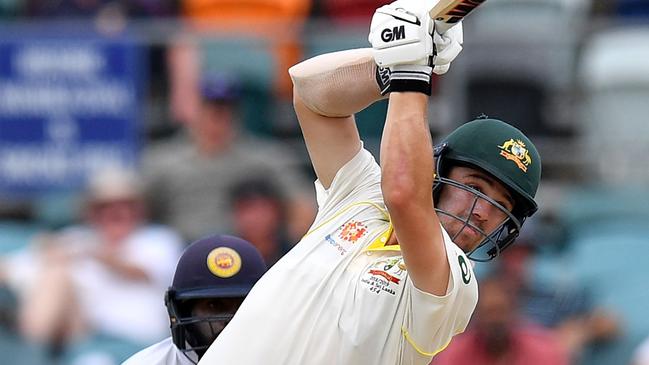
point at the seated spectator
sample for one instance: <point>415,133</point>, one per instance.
<point>568,310</point>
<point>190,174</point>
<point>99,283</point>
<point>498,334</point>
<point>259,216</point>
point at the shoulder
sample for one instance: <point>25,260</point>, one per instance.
<point>356,171</point>
<point>461,266</point>
<point>358,179</point>
<point>161,353</point>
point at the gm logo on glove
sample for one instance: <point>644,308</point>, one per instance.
<point>394,34</point>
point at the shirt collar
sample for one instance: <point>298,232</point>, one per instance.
<point>379,243</point>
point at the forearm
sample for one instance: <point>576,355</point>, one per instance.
<point>407,167</point>
<point>337,84</point>
<point>406,147</point>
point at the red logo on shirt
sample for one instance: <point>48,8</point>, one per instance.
<point>385,275</point>
<point>352,231</point>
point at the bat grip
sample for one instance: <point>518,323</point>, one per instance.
<point>441,26</point>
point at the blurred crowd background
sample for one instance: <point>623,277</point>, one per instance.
<point>130,128</point>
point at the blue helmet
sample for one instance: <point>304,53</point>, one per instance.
<point>219,267</point>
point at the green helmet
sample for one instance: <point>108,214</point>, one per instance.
<point>507,154</point>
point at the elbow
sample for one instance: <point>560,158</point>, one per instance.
<point>399,192</point>
<point>315,94</point>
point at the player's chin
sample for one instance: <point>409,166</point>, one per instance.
<point>468,239</point>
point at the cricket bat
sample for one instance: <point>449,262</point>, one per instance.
<point>446,13</point>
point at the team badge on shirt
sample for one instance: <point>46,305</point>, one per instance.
<point>385,275</point>
<point>224,262</point>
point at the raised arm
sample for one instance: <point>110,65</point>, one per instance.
<point>407,163</point>
<point>328,90</point>
<point>407,180</point>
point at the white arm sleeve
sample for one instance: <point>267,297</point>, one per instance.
<point>337,84</point>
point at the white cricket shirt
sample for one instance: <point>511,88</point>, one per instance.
<point>161,353</point>
<point>340,296</point>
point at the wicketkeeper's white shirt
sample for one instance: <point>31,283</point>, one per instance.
<point>161,353</point>
<point>340,296</point>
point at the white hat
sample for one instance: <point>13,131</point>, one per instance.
<point>114,183</point>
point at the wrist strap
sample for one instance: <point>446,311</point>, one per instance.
<point>411,78</point>
<point>415,78</point>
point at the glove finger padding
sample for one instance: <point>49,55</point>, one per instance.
<point>441,69</point>
<point>447,47</point>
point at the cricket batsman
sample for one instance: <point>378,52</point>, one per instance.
<point>383,276</point>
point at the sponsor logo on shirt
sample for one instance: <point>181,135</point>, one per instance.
<point>335,244</point>
<point>385,275</point>
<point>350,232</point>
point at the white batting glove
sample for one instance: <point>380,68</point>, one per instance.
<point>400,34</point>
<point>406,48</point>
<point>447,46</point>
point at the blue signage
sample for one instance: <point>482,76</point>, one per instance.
<point>68,106</point>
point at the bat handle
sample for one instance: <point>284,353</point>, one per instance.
<point>441,26</point>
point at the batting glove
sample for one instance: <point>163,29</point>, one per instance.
<point>406,48</point>
<point>448,45</point>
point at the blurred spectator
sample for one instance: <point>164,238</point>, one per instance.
<point>253,20</point>
<point>568,310</point>
<point>606,245</point>
<point>93,291</point>
<point>259,215</point>
<point>641,355</point>
<point>189,175</point>
<point>183,60</point>
<point>91,8</point>
<point>499,335</point>
<point>351,11</point>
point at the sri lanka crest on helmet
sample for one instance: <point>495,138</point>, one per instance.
<point>224,262</point>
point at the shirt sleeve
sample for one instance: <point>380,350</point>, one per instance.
<point>358,180</point>
<point>431,321</point>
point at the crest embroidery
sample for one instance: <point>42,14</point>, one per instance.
<point>515,150</point>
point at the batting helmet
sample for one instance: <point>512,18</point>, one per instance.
<point>214,267</point>
<point>508,155</point>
